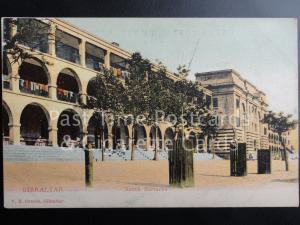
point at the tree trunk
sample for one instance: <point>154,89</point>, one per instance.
<point>155,146</point>
<point>132,143</point>
<point>88,165</point>
<point>285,154</point>
<point>102,145</point>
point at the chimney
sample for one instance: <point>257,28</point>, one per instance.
<point>115,44</point>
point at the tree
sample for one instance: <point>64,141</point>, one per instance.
<point>30,32</point>
<point>160,99</point>
<point>108,100</point>
<point>137,92</point>
<point>209,127</point>
<point>280,123</point>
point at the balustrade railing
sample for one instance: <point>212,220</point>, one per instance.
<point>5,81</point>
<point>35,88</point>
<point>68,96</point>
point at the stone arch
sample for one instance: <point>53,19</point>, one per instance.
<point>140,136</point>
<point>39,74</point>
<point>97,132</point>
<point>152,136</point>
<point>34,120</point>
<point>69,85</point>
<point>193,138</point>
<point>7,108</point>
<point>69,128</point>
<point>91,89</point>
<point>169,138</point>
<point>7,119</point>
<point>120,135</point>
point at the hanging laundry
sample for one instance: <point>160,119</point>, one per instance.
<point>119,72</point>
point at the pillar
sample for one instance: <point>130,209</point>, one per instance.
<point>110,136</point>
<point>163,141</point>
<point>82,52</point>
<point>84,139</point>
<point>51,39</point>
<point>52,92</point>
<point>15,77</point>
<point>107,60</point>
<point>83,97</point>
<point>53,136</point>
<point>14,133</point>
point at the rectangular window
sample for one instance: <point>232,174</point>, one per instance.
<point>117,62</point>
<point>33,34</point>
<point>215,103</point>
<point>238,121</point>
<point>67,47</point>
<point>94,56</point>
<point>208,101</point>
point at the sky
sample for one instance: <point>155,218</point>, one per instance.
<point>263,51</point>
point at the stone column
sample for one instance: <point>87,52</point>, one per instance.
<point>51,39</point>
<point>14,133</point>
<point>84,134</point>
<point>15,77</point>
<point>83,97</point>
<point>52,92</point>
<point>110,136</point>
<point>107,60</point>
<point>163,140</point>
<point>53,135</point>
<point>82,52</point>
<point>148,140</point>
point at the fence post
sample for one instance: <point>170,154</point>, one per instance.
<point>88,165</point>
<point>238,159</point>
<point>181,165</point>
<point>264,161</point>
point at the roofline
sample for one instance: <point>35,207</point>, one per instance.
<point>228,71</point>
<point>90,35</point>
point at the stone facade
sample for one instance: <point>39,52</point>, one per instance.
<point>53,84</point>
<point>241,106</point>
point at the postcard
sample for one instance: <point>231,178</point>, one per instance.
<point>150,112</point>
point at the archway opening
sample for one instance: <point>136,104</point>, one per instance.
<point>5,128</point>
<point>155,133</point>
<point>91,91</point>
<point>98,132</point>
<point>34,77</point>
<point>169,138</point>
<point>34,125</point>
<point>193,139</point>
<point>140,136</point>
<point>6,71</point>
<point>69,129</point>
<point>120,135</point>
<point>68,86</point>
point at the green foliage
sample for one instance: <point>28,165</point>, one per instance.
<point>279,122</point>
<point>183,71</point>
<point>30,33</point>
<point>136,86</point>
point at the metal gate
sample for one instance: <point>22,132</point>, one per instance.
<point>264,161</point>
